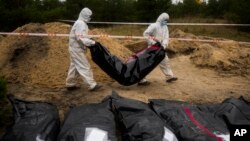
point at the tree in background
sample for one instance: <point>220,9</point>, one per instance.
<point>51,10</point>
<point>112,10</point>
<point>224,7</point>
<point>103,10</point>
<point>129,11</point>
<point>73,8</point>
<point>176,10</point>
<point>14,13</point>
<point>145,10</point>
<point>190,7</point>
<point>212,9</point>
<point>198,8</point>
<point>163,6</point>
<point>239,12</point>
<point>187,8</point>
<point>149,10</point>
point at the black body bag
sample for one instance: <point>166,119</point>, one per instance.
<point>234,111</point>
<point>135,69</point>
<point>191,123</point>
<point>89,122</point>
<point>33,121</point>
<point>137,121</point>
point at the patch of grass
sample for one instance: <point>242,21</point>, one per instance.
<point>212,31</point>
<point>126,30</point>
<point>229,32</point>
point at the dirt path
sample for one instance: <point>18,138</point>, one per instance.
<point>195,85</point>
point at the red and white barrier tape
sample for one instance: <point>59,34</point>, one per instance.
<point>34,34</point>
<point>189,24</point>
<point>24,34</point>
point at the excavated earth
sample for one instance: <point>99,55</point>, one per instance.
<point>36,69</point>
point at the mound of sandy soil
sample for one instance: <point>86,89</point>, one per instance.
<point>175,46</point>
<point>137,45</point>
<point>225,57</point>
<point>182,47</point>
<point>44,61</point>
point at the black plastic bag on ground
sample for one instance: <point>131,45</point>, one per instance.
<point>136,68</point>
<point>33,121</point>
<point>137,121</point>
<point>234,111</point>
<point>189,122</point>
<point>89,122</point>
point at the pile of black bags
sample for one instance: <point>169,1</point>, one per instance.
<point>121,119</point>
<point>33,121</point>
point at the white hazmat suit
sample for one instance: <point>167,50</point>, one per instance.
<point>158,31</point>
<point>77,49</point>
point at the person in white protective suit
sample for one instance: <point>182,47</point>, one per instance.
<point>158,32</point>
<point>77,48</point>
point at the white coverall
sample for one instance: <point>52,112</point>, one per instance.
<point>77,49</point>
<point>159,31</point>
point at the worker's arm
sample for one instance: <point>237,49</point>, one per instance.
<point>82,29</point>
<point>165,41</point>
<point>149,34</point>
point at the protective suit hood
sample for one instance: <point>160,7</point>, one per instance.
<point>85,14</point>
<point>163,17</point>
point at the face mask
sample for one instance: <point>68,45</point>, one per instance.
<point>87,19</point>
<point>163,23</point>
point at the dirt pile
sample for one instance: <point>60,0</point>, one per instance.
<point>137,45</point>
<point>182,47</point>
<point>226,57</point>
<point>112,44</point>
<point>175,46</point>
<point>44,61</point>
<point>229,58</point>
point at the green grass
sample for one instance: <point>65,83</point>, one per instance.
<point>228,32</point>
<point>127,30</point>
<point>212,31</point>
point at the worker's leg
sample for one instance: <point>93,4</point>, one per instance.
<point>71,78</point>
<point>83,67</point>
<point>166,69</point>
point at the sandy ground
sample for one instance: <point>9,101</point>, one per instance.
<point>194,85</point>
